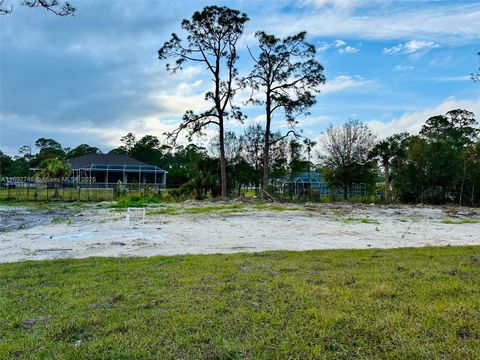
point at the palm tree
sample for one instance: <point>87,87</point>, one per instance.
<point>56,169</point>
<point>386,150</point>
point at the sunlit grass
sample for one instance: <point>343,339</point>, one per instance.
<point>403,303</point>
<point>461,221</point>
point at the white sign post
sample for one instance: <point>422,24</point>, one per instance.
<point>135,216</point>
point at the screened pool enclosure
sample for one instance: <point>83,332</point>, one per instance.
<point>110,170</point>
<point>313,182</point>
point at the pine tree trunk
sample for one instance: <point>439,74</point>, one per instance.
<point>386,167</point>
<point>223,163</point>
<point>473,192</point>
<point>463,178</point>
<point>266,150</point>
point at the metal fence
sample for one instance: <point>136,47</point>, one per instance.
<point>50,191</point>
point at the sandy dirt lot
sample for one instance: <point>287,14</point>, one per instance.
<point>28,233</point>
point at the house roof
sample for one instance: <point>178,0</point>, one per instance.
<point>104,161</point>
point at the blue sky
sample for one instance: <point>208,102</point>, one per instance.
<point>94,77</point>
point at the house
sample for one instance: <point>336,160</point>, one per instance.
<point>110,169</point>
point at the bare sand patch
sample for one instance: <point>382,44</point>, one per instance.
<point>99,231</point>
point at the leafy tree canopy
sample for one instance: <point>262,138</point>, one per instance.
<point>54,6</point>
<point>83,149</point>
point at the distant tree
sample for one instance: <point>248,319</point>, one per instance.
<point>297,163</point>
<point>412,178</point>
<point>54,6</point>
<point>180,160</point>
<point>44,143</point>
<point>147,149</point>
<point>288,75</point>
<point>20,167</point>
<point>242,173</point>
<point>458,127</point>
<point>201,173</point>
<point>308,146</point>
<point>476,77</point>
<point>47,149</point>
<point>6,163</point>
<point>25,151</point>
<point>56,169</point>
<point>118,151</point>
<point>83,149</point>
<point>449,136</point>
<point>128,142</point>
<point>345,154</point>
<point>385,150</point>
<point>233,146</point>
<point>22,162</point>
<point>473,170</point>
<point>279,154</point>
<point>252,141</point>
<point>237,149</point>
<point>212,36</point>
<point>441,163</point>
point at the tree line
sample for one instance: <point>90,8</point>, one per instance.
<point>439,165</point>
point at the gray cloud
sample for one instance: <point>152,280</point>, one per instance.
<point>93,77</point>
<point>95,70</point>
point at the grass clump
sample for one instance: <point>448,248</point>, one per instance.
<point>223,209</point>
<point>359,220</point>
<point>215,208</point>
<point>61,220</point>
<point>367,304</point>
<point>460,221</point>
<point>275,207</point>
<point>163,211</point>
<point>136,201</point>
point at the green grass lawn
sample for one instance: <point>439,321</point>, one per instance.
<point>403,303</point>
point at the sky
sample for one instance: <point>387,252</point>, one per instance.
<point>96,76</point>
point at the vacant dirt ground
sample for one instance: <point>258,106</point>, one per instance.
<point>29,233</point>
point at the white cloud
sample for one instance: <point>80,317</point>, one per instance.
<point>337,4</point>
<point>441,61</point>
<point>177,104</point>
<point>189,71</point>
<point>454,78</point>
<point>185,88</point>
<point>411,47</point>
<point>412,122</point>
<point>401,68</point>
<point>340,45</point>
<point>323,47</point>
<point>347,83</point>
<point>348,50</point>
<point>347,18</point>
<point>314,121</point>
